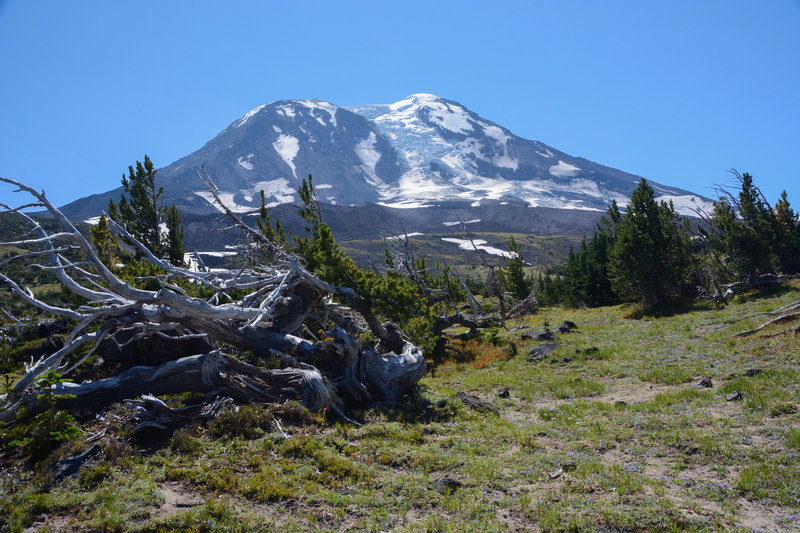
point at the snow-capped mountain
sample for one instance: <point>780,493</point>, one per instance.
<point>417,152</point>
<point>449,152</point>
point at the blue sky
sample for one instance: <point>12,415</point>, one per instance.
<point>676,91</point>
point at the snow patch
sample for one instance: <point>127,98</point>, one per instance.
<point>365,150</point>
<point>250,114</point>
<point>405,204</point>
<point>547,153</point>
<point>687,205</point>
<point>402,237</point>
<point>496,133</point>
<point>287,147</point>
<point>466,244</point>
<point>245,163</point>
<point>564,170</point>
<point>278,189</point>
<point>285,110</point>
<point>456,223</point>
<point>324,106</point>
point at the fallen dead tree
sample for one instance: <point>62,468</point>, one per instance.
<point>264,310</point>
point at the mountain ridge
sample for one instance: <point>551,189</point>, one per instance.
<point>413,153</point>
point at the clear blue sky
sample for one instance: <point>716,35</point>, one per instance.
<point>676,91</point>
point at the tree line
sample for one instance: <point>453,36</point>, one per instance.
<point>651,255</point>
<point>646,253</point>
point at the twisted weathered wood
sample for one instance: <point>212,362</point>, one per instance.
<point>266,321</point>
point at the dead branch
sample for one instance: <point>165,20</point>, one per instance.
<point>783,318</point>
<point>279,297</point>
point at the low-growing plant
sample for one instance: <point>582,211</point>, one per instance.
<point>91,477</point>
<point>38,435</point>
<point>247,421</point>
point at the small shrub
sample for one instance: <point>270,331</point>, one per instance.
<point>248,421</point>
<point>38,436</point>
<point>183,441</point>
<point>89,478</point>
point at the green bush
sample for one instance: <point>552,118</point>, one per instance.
<point>38,435</point>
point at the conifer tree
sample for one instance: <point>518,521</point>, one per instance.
<point>649,260</point>
<point>175,249</point>
<point>787,236</point>
<point>105,243</point>
<point>744,230</point>
<point>141,212</point>
<point>512,275</point>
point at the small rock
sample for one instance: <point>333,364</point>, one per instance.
<point>539,335</point>
<point>706,383</point>
<point>473,402</point>
<point>569,467</point>
<point>556,474</point>
<point>71,465</point>
<point>566,327</point>
<point>733,397</point>
<point>538,353</point>
<point>504,393</point>
<point>445,484</point>
<point>620,404</point>
<point>566,360</point>
<point>752,372</point>
<point>588,351</point>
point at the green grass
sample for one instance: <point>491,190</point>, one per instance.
<point>622,438</point>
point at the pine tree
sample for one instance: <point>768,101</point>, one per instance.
<point>106,244</point>
<point>512,275</point>
<point>175,249</point>
<point>744,230</point>
<point>141,212</point>
<point>649,260</point>
<point>787,236</point>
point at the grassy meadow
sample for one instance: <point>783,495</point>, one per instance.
<point>618,438</point>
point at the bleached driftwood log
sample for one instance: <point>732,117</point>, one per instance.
<point>279,298</point>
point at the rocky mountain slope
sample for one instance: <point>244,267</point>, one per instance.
<point>416,153</point>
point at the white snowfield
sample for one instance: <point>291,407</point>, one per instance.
<point>278,189</point>
<point>245,163</point>
<point>365,150</point>
<point>466,244</point>
<point>287,147</point>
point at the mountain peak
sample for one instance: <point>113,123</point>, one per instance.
<point>419,151</point>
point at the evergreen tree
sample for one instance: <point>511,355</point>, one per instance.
<point>105,243</point>
<point>787,236</point>
<point>141,212</point>
<point>744,230</point>
<point>512,275</point>
<point>175,249</point>
<point>649,261</point>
